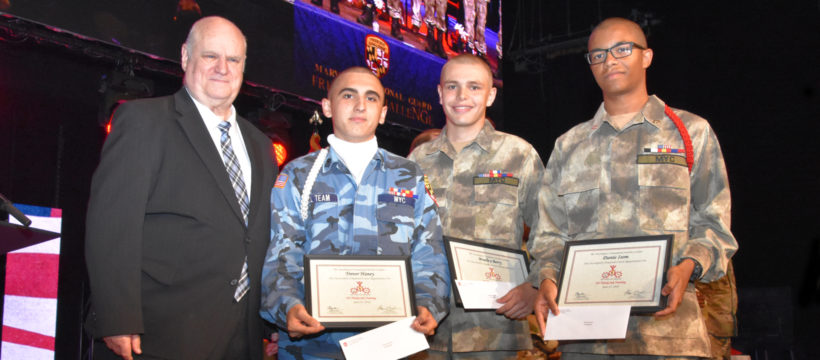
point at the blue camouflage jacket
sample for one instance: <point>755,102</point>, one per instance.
<point>347,219</point>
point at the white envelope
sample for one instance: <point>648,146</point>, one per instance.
<point>482,294</point>
<point>389,342</point>
<point>588,322</point>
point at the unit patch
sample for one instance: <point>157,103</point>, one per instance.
<point>429,189</point>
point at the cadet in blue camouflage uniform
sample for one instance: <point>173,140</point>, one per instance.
<point>627,172</point>
<point>350,210</point>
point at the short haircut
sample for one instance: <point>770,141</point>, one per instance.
<point>633,27</point>
<point>467,59</point>
<point>354,69</point>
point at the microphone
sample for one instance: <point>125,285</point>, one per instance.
<point>8,207</point>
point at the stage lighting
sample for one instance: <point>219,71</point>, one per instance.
<point>280,152</point>
<point>276,125</point>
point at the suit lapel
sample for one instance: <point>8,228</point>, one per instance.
<point>194,128</point>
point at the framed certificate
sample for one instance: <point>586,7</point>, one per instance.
<point>619,271</point>
<point>359,291</point>
<point>474,261</point>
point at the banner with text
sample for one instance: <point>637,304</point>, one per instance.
<point>325,44</point>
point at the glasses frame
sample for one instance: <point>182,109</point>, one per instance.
<point>631,46</point>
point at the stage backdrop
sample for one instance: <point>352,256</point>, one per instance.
<point>293,47</point>
<point>325,44</point>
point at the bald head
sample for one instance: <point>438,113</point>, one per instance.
<point>624,26</point>
<point>216,23</point>
<point>213,58</point>
<point>467,59</point>
<point>341,79</point>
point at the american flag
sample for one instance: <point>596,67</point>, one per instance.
<point>30,300</point>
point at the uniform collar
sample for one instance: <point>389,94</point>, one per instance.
<point>334,160</point>
<point>651,113</point>
<point>484,139</point>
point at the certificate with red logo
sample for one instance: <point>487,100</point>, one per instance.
<point>620,271</point>
<point>489,269</point>
<point>358,291</point>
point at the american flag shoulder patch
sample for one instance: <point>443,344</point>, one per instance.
<point>281,180</point>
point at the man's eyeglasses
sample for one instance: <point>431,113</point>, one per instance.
<point>619,50</point>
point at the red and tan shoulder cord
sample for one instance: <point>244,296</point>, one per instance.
<point>687,141</point>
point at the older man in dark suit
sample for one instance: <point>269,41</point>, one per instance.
<point>179,216</point>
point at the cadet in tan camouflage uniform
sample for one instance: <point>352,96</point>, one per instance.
<point>495,214</point>
<point>605,178</point>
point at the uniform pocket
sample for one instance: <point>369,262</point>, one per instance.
<point>396,225</point>
<point>324,216</point>
<point>664,196</point>
<point>496,209</point>
<point>580,204</point>
<point>496,193</point>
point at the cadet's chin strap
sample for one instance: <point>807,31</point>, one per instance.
<point>687,141</point>
<point>314,172</point>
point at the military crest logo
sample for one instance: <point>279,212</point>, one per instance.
<point>377,55</point>
<point>360,289</point>
<point>612,273</point>
<point>492,275</point>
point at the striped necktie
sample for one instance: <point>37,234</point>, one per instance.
<point>235,175</point>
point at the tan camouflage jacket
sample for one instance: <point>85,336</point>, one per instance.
<point>601,183</point>
<point>488,213</point>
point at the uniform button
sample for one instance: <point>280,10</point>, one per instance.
<point>247,240</point>
<point>234,282</point>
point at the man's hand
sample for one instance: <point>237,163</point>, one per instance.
<point>677,278</point>
<point>300,323</point>
<point>545,302</point>
<point>123,345</point>
<point>518,303</point>
<point>425,323</point>
<point>272,347</point>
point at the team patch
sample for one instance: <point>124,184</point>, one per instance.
<point>662,159</point>
<point>317,198</point>
<point>663,149</point>
<point>397,199</point>
<point>281,180</point>
<point>480,180</point>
